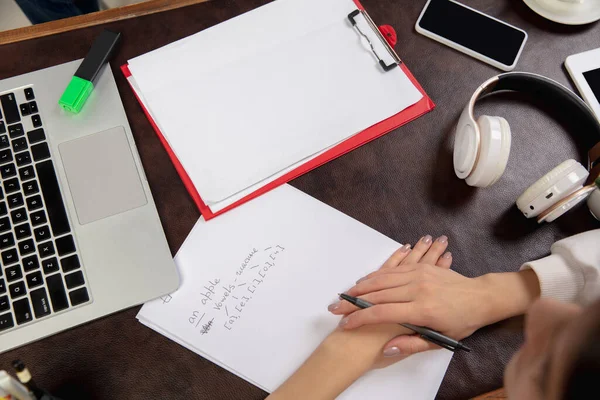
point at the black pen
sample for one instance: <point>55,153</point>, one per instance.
<point>426,333</point>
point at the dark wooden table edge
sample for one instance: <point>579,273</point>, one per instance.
<point>92,19</point>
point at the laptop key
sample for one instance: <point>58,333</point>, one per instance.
<point>56,289</point>
<point>19,144</point>
<point>22,231</point>
<point>14,131</point>
<point>40,151</point>
<point>38,218</point>
<point>79,296</point>
<point>46,249</point>
<point>3,129</point>
<point>13,273</point>
<point>5,156</point>
<point>23,158</point>
<point>11,111</point>
<point>41,233</point>
<point>39,300</point>
<point>27,173</point>
<point>50,265</point>
<point>52,197</point>
<point>9,257</point>
<point>65,245</point>
<point>11,185</point>
<point>30,188</point>
<point>75,279</point>
<point>6,322</point>
<point>6,240</point>
<point>22,311</point>
<point>33,107</point>
<point>26,247</point>
<point>29,95</point>
<point>34,203</point>
<point>3,208</point>
<point>70,263</point>
<point>4,304</point>
<point>15,200</point>
<point>36,121</point>
<point>25,109</point>
<point>34,280</point>
<point>2,286</point>
<point>4,224</point>
<point>30,263</point>
<point>17,290</point>
<point>8,171</point>
<point>36,135</point>
<point>18,215</point>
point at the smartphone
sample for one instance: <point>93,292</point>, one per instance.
<point>472,32</point>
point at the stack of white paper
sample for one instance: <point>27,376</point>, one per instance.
<point>256,283</point>
<point>249,100</point>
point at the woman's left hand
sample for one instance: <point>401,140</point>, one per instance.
<point>403,283</point>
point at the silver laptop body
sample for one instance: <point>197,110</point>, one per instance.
<point>107,251</point>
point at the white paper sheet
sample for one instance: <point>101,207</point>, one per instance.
<point>221,205</point>
<point>246,99</point>
<point>266,255</point>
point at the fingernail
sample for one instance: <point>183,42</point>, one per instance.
<point>405,248</point>
<point>391,352</point>
<point>447,255</point>
<point>426,239</point>
<point>442,239</point>
<point>334,306</point>
<point>343,322</point>
<point>361,279</point>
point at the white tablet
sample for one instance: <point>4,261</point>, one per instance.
<point>584,68</point>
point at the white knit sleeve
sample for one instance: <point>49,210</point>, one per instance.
<point>572,272</point>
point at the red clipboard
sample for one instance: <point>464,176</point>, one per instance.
<point>407,115</point>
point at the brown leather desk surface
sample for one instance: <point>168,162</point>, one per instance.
<point>403,185</point>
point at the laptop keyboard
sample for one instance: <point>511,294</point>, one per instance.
<point>41,272</point>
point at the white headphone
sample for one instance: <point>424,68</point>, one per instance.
<point>482,148</point>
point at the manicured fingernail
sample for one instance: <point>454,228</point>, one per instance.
<point>426,239</point>
<point>343,322</point>
<point>442,239</point>
<point>391,352</point>
<point>334,306</point>
<point>447,255</point>
<point>405,248</point>
<point>361,279</point>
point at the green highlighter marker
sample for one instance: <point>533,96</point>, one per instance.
<point>82,83</point>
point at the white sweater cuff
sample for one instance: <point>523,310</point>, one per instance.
<point>557,280</point>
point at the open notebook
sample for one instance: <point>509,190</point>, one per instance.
<point>249,101</point>
<point>256,283</point>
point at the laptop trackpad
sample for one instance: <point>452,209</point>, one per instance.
<point>102,175</point>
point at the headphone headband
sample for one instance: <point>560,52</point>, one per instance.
<point>540,87</point>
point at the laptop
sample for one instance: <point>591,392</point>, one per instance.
<point>80,236</point>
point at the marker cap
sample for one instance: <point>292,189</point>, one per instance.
<point>75,95</point>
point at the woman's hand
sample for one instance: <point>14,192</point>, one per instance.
<point>434,296</point>
<point>419,294</point>
<point>409,288</point>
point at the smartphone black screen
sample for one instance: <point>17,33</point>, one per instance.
<point>593,79</point>
<point>472,30</point>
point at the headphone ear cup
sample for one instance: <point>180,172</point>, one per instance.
<point>494,151</point>
<point>557,184</point>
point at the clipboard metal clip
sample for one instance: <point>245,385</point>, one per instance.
<point>386,67</point>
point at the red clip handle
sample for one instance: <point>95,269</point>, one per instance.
<point>389,34</point>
